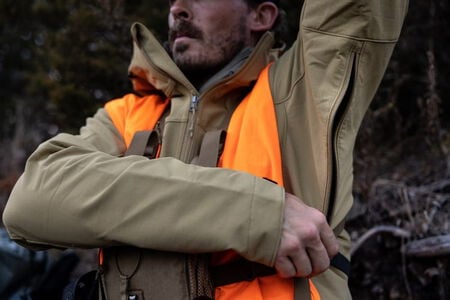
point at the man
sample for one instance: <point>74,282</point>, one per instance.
<point>283,186</point>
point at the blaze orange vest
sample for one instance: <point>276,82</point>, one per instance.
<point>252,145</point>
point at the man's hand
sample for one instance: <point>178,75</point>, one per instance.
<point>307,241</point>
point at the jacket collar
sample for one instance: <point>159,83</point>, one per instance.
<point>152,68</point>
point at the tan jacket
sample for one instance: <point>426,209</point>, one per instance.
<point>77,190</point>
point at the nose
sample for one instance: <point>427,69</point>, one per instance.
<point>179,9</point>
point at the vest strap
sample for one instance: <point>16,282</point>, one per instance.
<point>244,270</point>
<point>302,289</point>
<point>239,270</point>
<point>341,263</point>
<point>211,148</point>
<point>144,143</point>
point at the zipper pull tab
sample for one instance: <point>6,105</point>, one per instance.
<point>194,103</point>
<point>193,110</point>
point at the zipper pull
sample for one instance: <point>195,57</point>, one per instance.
<point>193,110</point>
<point>194,103</point>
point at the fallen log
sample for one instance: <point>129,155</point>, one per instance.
<point>394,230</point>
<point>429,247</point>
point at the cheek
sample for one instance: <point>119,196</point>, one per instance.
<point>222,18</point>
<point>219,28</point>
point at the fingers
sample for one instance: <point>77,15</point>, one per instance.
<point>318,255</point>
<point>294,261</point>
<point>302,263</point>
<point>321,243</point>
<point>329,241</point>
<point>307,241</point>
<point>306,262</point>
<point>285,267</point>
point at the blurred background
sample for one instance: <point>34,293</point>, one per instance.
<point>61,60</point>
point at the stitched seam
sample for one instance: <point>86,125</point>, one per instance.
<point>280,226</point>
<point>381,41</point>
<point>291,90</point>
<point>250,221</point>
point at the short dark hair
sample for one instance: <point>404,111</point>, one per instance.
<point>259,1</point>
<point>253,3</point>
<point>281,28</point>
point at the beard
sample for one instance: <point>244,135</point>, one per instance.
<point>207,54</point>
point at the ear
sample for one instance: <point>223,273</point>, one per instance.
<point>263,17</point>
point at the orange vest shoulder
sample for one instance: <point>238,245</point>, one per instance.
<point>132,113</point>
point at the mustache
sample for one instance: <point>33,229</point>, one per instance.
<point>184,28</point>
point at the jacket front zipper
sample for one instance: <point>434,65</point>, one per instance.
<point>193,110</point>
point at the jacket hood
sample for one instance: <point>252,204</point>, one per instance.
<point>152,69</point>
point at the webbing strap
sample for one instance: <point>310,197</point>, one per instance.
<point>239,270</point>
<point>211,148</point>
<point>144,143</point>
<point>244,270</point>
<point>339,261</point>
<point>147,142</point>
<point>301,289</point>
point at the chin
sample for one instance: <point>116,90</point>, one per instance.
<point>188,60</point>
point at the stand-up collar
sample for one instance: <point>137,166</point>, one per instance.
<point>152,67</point>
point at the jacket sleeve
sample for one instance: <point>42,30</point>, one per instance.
<point>322,87</point>
<point>77,192</point>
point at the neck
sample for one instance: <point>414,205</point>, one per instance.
<point>200,76</point>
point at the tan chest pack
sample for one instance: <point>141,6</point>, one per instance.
<point>130,273</point>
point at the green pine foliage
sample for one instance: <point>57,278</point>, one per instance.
<point>66,58</point>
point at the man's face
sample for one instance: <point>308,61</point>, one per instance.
<point>207,34</point>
